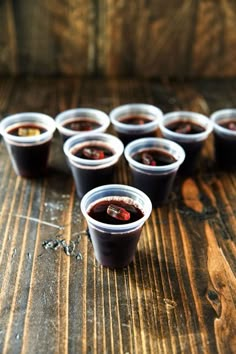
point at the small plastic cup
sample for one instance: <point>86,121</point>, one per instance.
<point>28,137</point>
<point>192,143</point>
<point>115,244</point>
<point>91,173</point>
<point>81,121</point>
<point>154,180</point>
<point>135,120</point>
<point>224,122</point>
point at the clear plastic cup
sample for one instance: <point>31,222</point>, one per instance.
<point>91,173</point>
<point>192,142</point>
<point>224,122</point>
<point>28,137</point>
<point>135,120</point>
<point>81,121</point>
<point>115,244</point>
<point>154,180</point>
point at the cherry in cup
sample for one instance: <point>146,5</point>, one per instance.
<point>153,164</point>
<point>115,215</point>
<point>135,120</point>
<point>92,159</point>
<point>28,138</point>
<point>81,121</point>
<point>190,130</point>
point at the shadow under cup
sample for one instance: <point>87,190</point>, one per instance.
<point>115,245</point>
<point>154,180</point>
<point>28,138</point>
<point>91,173</point>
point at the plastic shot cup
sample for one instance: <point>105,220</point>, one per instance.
<point>190,130</point>
<point>224,122</point>
<point>114,240</point>
<point>92,159</point>
<point>154,163</point>
<point>135,120</point>
<point>81,121</point>
<point>28,137</point>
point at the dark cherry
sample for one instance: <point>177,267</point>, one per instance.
<point>81,124</point>
<point>92,152</point>
<point>154,157</point>
<point>135,119</point>
<point>185,127</point>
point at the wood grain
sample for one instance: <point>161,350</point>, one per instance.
<point>178,296</point>
<point>174,39</point>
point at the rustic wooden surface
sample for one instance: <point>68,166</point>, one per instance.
<point>179,294</point>
<point>175,38</point>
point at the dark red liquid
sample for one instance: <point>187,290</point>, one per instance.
<point>138,120</point>
<point>157,157</point>
<point>81,124</point>
<point>29,160</point>
<point>99,212</point>
<point>135,119</point>
<point>228,124</point>
<point>101,150</point>
<point>225,146</point>
<point>114,250</point>
<point>185,127</point>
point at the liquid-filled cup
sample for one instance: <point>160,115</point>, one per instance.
<point>154,163</point>
<point>190,130</point>
<point>28,138</point>
<point>81,121</point>
<point>224,122</point>
<point>92,159</point>
<point>115,215</point>
<point>135,120</point>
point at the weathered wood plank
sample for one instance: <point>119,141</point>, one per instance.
<point>179,39</point>
<point>178,296</point>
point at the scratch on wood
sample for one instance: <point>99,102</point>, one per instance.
<point>39,221</point>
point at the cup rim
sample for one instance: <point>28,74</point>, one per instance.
<point>144,108</point>
<point>106,162</point>
<point>121,189</point>
<point>221,115</point>
<point>186,115</point>
<point>92,113</point>
<point>161,143</point>
<point>28,117</point>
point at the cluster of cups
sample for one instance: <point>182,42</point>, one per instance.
<point>115,243</point>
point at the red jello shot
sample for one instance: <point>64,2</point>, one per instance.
<point>153,164</point>
<point>135,120</point>
<point>92,159</point>
<point>81,121</point>
<point>190,130</point>
<point>224,122</point>
<point>115,215</point>
<point>28,138</point>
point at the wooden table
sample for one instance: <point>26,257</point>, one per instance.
<point>179,294</point>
